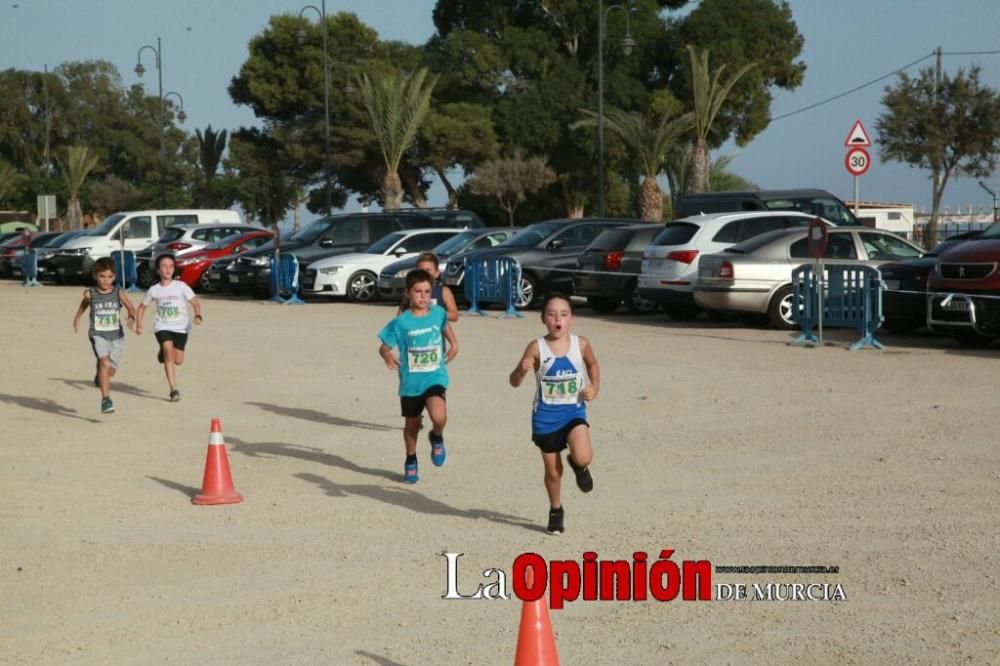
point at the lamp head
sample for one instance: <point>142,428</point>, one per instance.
<point>139,69</point>
<point>627,45</point>
<point>181,116</point>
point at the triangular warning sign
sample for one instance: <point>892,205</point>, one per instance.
<point>858,136</point>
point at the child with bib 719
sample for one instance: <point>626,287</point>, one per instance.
<point>566,377</point>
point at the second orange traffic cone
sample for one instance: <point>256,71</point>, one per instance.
<point>536,645</point>
<point>217,486</point>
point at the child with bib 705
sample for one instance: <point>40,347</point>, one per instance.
<point>172,323</point>
<point>419,334</point>
<point>566,377</point>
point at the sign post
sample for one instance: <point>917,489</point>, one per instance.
<point>818,239</point>
<point>46,207</point>
<point>857,159</point>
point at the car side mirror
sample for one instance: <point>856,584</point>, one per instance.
<point>326,242</point>
<point>400,251</point>
<point>556,244</point>
<point>240,249</point>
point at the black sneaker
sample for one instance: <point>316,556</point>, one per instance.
<point>175,395</point>
<point>555,521</point>
<point>107,407</point>
<point>584,481</point>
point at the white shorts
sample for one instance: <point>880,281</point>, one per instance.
<point>108,348</point>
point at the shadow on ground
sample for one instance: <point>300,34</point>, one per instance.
<point>173,485</point>
<point>45,405</point>
<point>319,417</point>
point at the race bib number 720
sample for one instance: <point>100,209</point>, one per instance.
<point>424,359</point>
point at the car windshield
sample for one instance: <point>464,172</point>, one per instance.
<point>61,239</point>
<point>455,243</point>
<point>109,223</point>
<point>170,234</point>
<point>532,235</point>
<point>992,231</point>
<point>311,232</point>
<point>380,246</point>
<point>223,242</point>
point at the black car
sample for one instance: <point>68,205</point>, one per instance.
<point>12,255</point>
<point>330,236</point>
<point>609,268</point>
<point>46,271</point>
<point>547,252</point>
<point>904,301</point>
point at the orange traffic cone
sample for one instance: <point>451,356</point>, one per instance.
<point>536,645</point>
<point>217,487</point>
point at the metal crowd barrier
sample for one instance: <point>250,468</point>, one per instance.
<point>852,297</point>
<point>126,270</point>
<point>493,280</point>
<point>285,279</point>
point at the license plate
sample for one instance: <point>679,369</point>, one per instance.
<point>705,272</point>
<point>957,306</point>
<point>234,279</point>
<point>892,284</point>
<point>213,277</point>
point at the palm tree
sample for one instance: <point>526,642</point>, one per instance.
<point>211,146</point>
<point>397,103</point>
<point>79,163</point>
<point>649,141</point>
<point>709,97</point>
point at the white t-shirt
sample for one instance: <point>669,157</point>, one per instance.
<point>171,306</point>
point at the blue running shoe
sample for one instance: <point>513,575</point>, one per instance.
<point>410,473</point>
<point>438,454</point>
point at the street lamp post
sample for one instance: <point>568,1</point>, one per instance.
<point>181,116</point>
<point>996,201</point>
<point>627,45</point>
<point>327,189</point>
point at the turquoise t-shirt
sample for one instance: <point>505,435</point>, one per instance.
<point>420,341</point>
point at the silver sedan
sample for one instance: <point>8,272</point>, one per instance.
<point>754,278</point>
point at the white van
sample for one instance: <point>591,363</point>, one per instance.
<point>137,229</point>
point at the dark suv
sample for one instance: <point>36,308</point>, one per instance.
<point>609,266</point>
<point>333,235</point>
<point>547,252</point>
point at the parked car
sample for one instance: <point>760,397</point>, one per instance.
<point>327,237</point>
<point>815,202</point>
<point>132,230</point>
<point>392,279</point>
<point>192,267</point>
<point>904,301</point>
<point>754,278</point>
<point>608,269</point>
<point>355,275</point>
<point>44,254</point>
<point>670,262</point>
<point>963,290</point>
<point>13,249</point>
<point>178,240</point>
<point>547,252</point>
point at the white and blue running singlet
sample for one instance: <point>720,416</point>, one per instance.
<point>559,382</point>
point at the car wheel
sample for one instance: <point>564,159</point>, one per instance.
<point>206,284</point>
<point>901,326</point>
<point>529,292</point>
<point>970,338</point>
<point>602,305</point>
<point>679,312</point>
<point>362,287</point>
<point>635,303</point>
<point>780,309</point>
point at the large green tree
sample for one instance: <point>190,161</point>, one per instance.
<point>951,127</point>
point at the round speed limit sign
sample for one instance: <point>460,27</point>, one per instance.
<point>857,161</point>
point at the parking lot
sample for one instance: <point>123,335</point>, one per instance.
<point>713,439</point>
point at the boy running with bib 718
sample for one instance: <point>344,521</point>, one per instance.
<point>566,376</point>
<point>419,335</point>
<point>172,323</point>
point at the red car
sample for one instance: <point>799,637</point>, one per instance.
<point>192,267</point>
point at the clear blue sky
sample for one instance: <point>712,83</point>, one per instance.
<point>847,43</point>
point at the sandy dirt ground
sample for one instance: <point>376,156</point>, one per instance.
<point>718,441</point>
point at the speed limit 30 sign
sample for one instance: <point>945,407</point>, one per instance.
<point>857,161</point>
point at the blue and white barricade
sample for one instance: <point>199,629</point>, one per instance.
<point>29,263</point>
<point>493,280</point>
<point>285,279</point>
<point>852,297</point>
<point>126,270</point>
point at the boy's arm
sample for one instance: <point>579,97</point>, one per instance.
<point>196,304</point>
<point>449,303</point>
<point>449,335</point>
<point>388,357</point>
<point>123,297</point>
<point>140,311</point>
<point>84,304</point>
<point>527,364</point>
<point>593,370</point>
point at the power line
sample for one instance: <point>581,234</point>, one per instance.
<point>881,78</point>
